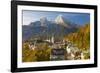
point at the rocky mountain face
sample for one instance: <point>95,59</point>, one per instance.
<point>44,28</point>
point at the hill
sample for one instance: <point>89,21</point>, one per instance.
<point>81,38</point>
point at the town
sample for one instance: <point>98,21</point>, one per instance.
<point>60,50</point>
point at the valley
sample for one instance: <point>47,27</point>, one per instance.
<point>55,40</point>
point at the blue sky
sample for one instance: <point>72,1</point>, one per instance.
<point>32,16</point>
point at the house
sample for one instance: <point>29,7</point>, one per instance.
<point>32,46</point>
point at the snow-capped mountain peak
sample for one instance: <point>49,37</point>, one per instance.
<point>61,21</point>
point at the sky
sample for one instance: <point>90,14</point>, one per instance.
<point>32,16</point>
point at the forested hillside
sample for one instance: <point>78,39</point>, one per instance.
<point>81,38</point>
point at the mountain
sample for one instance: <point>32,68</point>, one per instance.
<point>43,21</point>
<point>44,28</point>
<point>60,21</point>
